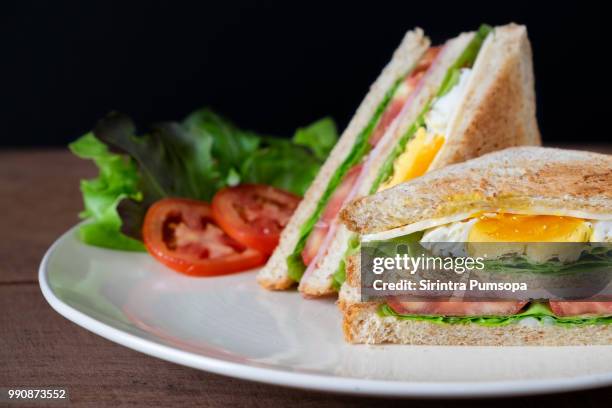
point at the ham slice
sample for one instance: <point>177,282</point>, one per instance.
<point>406,89</point>
<point>322,227</point>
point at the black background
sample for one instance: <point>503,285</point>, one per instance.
<point>269,67</point>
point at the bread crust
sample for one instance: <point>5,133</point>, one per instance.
<point>274,275</point>
<point>527,179</point>
<point>498,108</point>
<point>362,324</point>
<point>353,270</point>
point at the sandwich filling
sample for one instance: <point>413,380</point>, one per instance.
<point>519,237</point>
<point>412,157</point>
<point>421,150</point>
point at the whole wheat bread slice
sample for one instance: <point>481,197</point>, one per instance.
<point>362,324</point>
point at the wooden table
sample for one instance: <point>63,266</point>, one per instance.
<point>40,199</point>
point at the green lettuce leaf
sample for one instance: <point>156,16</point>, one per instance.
<point>118,179</point>
<point>340,275</point>
<point>231,146</point>
<point>192,159</point>
<point>291,165</point>
<point>465,60</point>
<point>320,137</point>
<point>592,259</point>
<point>276,164</point>
<point>536,310</point>
<point>172,161</point>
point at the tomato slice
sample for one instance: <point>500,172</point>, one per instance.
<point>254,215</point>
<point>456,308</point>
<point>319,231</point>
<point>578,308</point>
<point>182,234</point>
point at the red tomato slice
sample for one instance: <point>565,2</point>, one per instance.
<point>334,205</point>
<point>254,215</point>
<point>181,234</point>
<point>563,309</point>
<point>456,308</point>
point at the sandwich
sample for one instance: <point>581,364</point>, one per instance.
<point>430,107</point>
<point>526,200</point>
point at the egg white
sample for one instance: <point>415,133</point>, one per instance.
<point>602,231</point>
<point>439,240</point>
<point>442,109</point>
<point>595,218</point>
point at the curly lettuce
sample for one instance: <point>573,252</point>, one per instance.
<point>192,159</point>
<point>118,179</point>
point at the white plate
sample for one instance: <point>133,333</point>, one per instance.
<point>228,325</point>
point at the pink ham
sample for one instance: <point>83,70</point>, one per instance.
<point>411,83</point>
<point>321,228</point>
<point>394,109</point>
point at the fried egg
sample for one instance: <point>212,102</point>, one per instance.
<point>538,237</point>
<point>422,149</point>
<point>504,227</point>
<point>449,239</point>
<point>442,109</point>
<point>416,158</point>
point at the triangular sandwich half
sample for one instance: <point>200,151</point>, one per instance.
<point>523,196</point>
<point>482,105</point>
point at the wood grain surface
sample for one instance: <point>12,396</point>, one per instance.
<point>39,199</point>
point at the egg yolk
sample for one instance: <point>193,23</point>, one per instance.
<point>416,158</point>
<point>529,228</point>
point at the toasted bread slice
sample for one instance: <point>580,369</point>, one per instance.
<point>362,324</point>
<point>536,180</point>
<point>497,111</point>
<point>274,275</point>
<point>498,108</point>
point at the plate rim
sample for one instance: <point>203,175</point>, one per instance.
<point>310,381</point>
